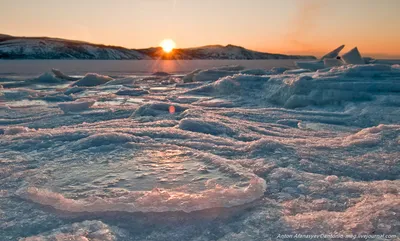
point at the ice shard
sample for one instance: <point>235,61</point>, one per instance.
<point>320,64</point>
<point>353,57</point>
<point>334,53</point>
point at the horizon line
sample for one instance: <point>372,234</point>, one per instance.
<point>316,54</point>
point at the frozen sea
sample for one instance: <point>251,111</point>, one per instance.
<point>198,150</point>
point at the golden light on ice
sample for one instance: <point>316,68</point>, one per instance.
<point>167,45</point>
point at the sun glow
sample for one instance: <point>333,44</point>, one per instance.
<point>167,45</point>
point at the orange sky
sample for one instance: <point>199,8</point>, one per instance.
<point>284,26</point>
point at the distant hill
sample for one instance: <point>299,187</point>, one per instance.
<point>54,48</point>
<point>216,52</point>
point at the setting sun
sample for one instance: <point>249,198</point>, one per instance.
<point>167,45</point>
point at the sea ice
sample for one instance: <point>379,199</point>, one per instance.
<point>240,155</point>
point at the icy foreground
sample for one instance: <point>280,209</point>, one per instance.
<point>218,154</point>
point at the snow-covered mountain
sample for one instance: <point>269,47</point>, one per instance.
<point>53,48</point>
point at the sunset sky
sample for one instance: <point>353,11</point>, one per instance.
<point>279,26</point>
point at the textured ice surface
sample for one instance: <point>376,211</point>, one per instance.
<point>237,154</point>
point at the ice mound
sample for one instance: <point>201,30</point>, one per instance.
<point>75,106</point>
<point>93,79</point>
<point>157,200</point>
<point>46,78</point>
<point>158,108</point>
<point>226,86</point>
<point>336,86</point>
<point>206,127</point>
<point>63,76</point>
<point>189,77</point>
<point>103,139</point>
<point>87,230</point>
<point>339,84</point>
